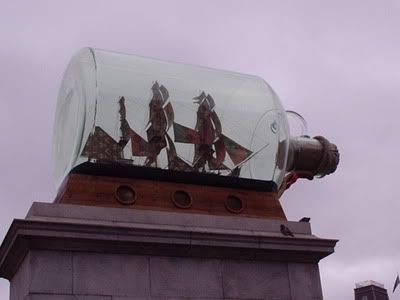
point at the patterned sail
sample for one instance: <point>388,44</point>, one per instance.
<point>101,146</point>
<point>185,134</point>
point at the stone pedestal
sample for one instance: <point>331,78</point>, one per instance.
<point>67,252</point>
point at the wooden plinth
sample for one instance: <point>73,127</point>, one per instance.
<point>161,195</point>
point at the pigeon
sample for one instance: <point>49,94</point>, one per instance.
<point>305,219</point>
<point>286,231</point>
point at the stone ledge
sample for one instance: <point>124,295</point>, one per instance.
<point>48,230</point>
<point>90,214</point>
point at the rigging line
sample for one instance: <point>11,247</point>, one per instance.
<point>258,123</point>
<point>195,162</point>
<point>233,127</point>
<point>250,156</point>
<point>232,123</point>
<point>185,160</point>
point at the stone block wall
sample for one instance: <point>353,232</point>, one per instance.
<point>69,275</point>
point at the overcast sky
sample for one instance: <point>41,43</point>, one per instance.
<point>335,62</point>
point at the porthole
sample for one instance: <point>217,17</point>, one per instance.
<point>125,194</point>
<point>233,204</point>
<point>182,199</point>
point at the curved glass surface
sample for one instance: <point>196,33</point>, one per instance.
<point>122,109</point>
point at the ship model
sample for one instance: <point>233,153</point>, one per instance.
<point>211,146</point>
<point>213,171</point>
<point>210,182</point>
